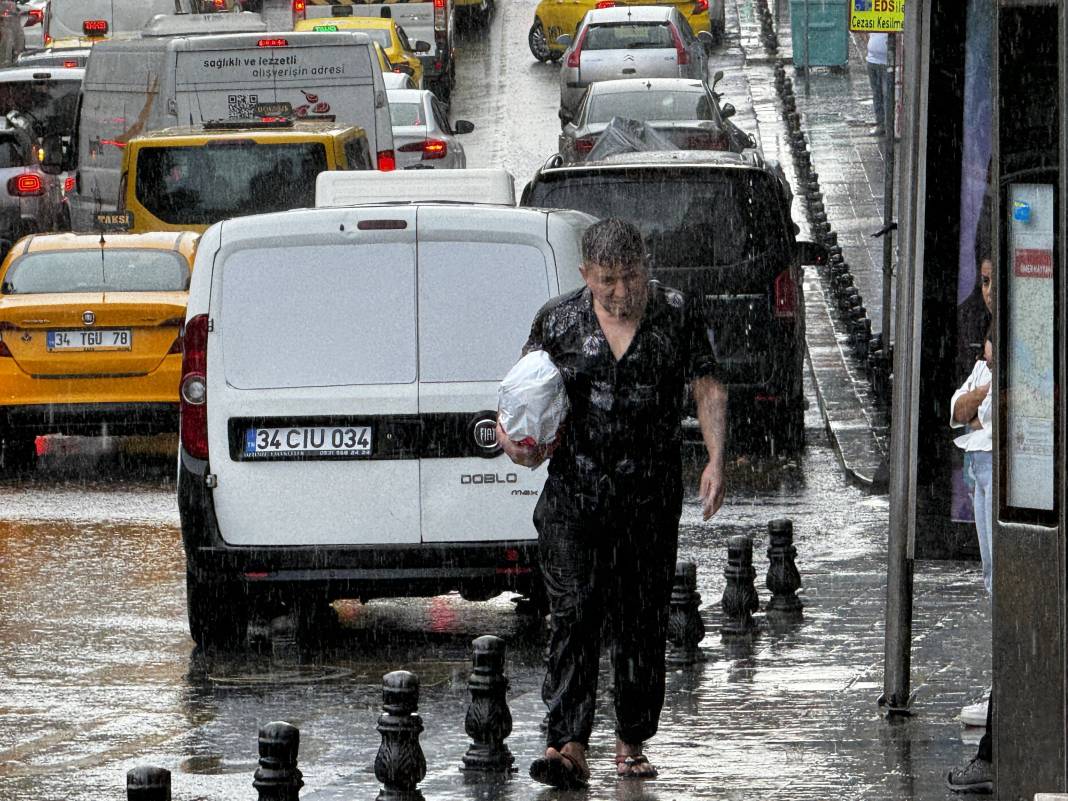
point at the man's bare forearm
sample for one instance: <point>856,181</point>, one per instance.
<point>967,405</point>
<point>710,397</point>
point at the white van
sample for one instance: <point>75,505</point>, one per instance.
<point>139,85</point>
<point>66,20</point>
<point>339,396</point>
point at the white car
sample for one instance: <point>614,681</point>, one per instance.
<point>360,460</point>
<point>422,135</point>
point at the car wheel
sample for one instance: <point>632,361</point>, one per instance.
<point>539,45</point>
<point>218,612</point>
<point>19,454</point>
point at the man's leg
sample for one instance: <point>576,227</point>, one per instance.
<point>982,470</point>
<point>877,80</point>
<point>978,775</point>
<point>643,568</point>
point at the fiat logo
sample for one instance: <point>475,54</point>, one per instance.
<point>485,433</point>
<point>88,318</point>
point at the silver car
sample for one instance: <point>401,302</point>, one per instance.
<point>629,42</point>
<point>422,135</point>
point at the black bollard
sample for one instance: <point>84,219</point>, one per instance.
<point>277,778</point>
<point>783,579</point>
<point>400,764</point>
<point>148,783</point>
<point>685,627</point>
<point>488,722</point>
<point>740,596</point>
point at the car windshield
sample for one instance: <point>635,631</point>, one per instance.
<point>407,114</point>
<point>628,36</point>
<point>688,218</point>
<point>97,270</point>
<point>49,104</point>
<point>650,104</point>
<point>201,185</point>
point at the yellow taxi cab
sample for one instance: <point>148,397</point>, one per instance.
<point>554,18</point>
<point>90,335</point>
<point>180,179</point>
<point>382,30</point>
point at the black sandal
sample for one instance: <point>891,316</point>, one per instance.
<point>631,762</point>
<point>563,773</point>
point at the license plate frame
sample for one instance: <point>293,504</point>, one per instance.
<point>307,442</point>
<point>89,340</point>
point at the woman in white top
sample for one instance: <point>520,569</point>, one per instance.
<point>971,408</point>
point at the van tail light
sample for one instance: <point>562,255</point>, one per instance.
<point>574,58</point>
<point>785,294</point>
<point>700,7</point>
<point>584,145</point>
<point>299,7</point>
<point>193,389</point>
<point>439,15</point>
<point>68,184</point>
<point>220,5</point>
<point>34,17</point>
<point>387,161</point>
<point>27,184</point>
<point>683,56</point>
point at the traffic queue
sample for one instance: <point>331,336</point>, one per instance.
<point>205,162</point>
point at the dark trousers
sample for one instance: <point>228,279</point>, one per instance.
<point>986,745</point>
<point>609,559</point>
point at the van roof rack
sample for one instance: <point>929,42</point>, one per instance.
<point>242,124</point>
<point>353,188</point>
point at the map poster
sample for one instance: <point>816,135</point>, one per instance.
<point>1029,375</point>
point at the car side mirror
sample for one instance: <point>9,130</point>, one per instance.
<point>463,127</point>
<point>419,46</point>
<point>727,110</point>
<point>705,38</point>
<point>812,253</point>
<point>716,78</point>
<point>564,40</point>
<point>53,158</point>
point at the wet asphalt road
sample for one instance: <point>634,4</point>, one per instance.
<point>98,674</point>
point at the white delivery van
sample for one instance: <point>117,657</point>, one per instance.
<point>138,85</point>
<point>339,396</point>
<point>66,20</point>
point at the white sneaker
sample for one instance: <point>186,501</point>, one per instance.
<point>974,714</point>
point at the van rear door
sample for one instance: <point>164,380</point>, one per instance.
<point>482,277</point>
<point>312,412</point>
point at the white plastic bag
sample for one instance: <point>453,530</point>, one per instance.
<point>532,401</point>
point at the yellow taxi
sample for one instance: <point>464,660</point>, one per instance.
<point>382,30</point>
<point>554,18</point>
<point>90,335</point>
<point>180,179</point>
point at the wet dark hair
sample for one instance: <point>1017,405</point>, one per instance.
<point>613,243</point>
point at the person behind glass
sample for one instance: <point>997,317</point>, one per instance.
<point>972,407</point>
<point>878,77</point>
<point>608,515</point>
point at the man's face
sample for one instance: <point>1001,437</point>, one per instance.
<point>620,289</point>
<point>986,271</point>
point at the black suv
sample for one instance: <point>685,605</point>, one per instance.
<point>716,226</point>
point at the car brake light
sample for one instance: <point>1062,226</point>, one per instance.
<point>36,17</point>
<point>220,4</point>
<point>275,42</point>
<point>439,15</point>
<point>70,62</point>
<point>435,149</point>
<point>299,6</point>
<point>574,59</point>
<point>700,6</point>
<point>68,184</point>
<point>683,56</point>
<point>95,27</point>
<point>27,184</point>
<point>785,295</point>
<point>193,389</point>
<point>606,4</point>
<point>387,162</point>
<point>584,145</point>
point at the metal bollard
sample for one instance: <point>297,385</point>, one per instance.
<point>488,722</point>
<point>685,627</point>
<point>783,579</point>
<point>277,778</point>
<point>148,783</point>
<point>400,764</point>
<point>740,596</point>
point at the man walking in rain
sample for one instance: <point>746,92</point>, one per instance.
<point>608,516</point>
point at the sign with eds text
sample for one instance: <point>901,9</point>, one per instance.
<point>877,16</point>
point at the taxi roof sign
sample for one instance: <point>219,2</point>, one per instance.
<point>114,221</point>
<point>877,16</point>
<point>351,188</point>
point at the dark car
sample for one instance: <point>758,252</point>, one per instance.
<point>716,226</point>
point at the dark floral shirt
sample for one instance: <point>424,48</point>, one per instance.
<point>625,420</point>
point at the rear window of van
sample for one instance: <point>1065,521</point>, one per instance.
<point>319,316</point>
